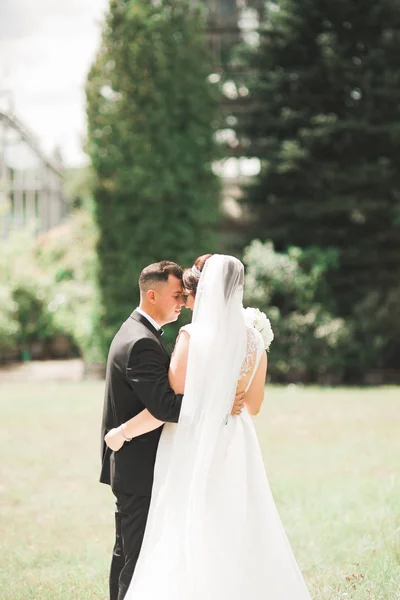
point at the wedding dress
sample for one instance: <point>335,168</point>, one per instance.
<point>213,531</point>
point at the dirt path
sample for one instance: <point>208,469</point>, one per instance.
<point>43,370</point>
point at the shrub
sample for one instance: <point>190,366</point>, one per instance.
<point>309,341</point>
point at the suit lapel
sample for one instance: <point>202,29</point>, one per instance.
<point>137,316</point>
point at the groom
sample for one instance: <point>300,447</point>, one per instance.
<point>137,378</point>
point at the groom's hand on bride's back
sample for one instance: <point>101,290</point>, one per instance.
<point>238,404</point>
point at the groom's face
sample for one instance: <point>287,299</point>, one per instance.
<point>169,299</point>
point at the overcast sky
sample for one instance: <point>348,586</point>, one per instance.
<point>46,48</point>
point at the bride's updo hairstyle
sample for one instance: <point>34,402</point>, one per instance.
<point>191,276</point>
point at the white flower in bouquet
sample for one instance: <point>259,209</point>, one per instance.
<point>255,318</point>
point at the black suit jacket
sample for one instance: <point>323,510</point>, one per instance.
<point>136,378</point>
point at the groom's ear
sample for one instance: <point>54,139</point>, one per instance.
<point>151,296</point>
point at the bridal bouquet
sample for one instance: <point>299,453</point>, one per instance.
<point>255,318</point>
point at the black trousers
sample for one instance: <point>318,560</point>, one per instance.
<point>130,522</point>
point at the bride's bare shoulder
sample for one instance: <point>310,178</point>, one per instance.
<point>186,328</point>
<point>182,342</point>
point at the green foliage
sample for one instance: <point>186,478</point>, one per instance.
<point>309,342</point>
<point>324,84</point>
<point>9,326</point>
<point>68,257</point>
<point>22,290</point>
<point>376,326</point>
<point>34,318</point>
<point>79,184</point>
<point>48,289</point>
<point>150,113</point>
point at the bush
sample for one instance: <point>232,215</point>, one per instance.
<point>376,327</point>
<point>23,290</point>
<point>47,291</point>
<point>9,326</point>
<point>67,255</point>
<point>309,341</point>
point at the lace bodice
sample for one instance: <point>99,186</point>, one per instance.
<point>254,349</point>
<point>251,352</point>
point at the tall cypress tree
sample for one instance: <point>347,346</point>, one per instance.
<point>150,112</point>
<point>325,122</point>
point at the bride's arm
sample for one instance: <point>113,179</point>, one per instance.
<point>178,365</point>
<point>255,394</point>
<point>144,422</point>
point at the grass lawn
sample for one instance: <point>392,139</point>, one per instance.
<point>332,456</point>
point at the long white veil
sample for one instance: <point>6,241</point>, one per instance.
<point>177,538</point>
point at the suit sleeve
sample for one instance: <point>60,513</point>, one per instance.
<point>148,378</point>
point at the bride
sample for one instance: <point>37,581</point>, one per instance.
<point>213,530</point>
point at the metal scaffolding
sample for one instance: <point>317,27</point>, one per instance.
<point>31,185</point>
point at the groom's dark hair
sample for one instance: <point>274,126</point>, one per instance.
<point>158,272</point>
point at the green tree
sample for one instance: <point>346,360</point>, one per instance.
<point>150,111</point>
<point>325,122</point>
